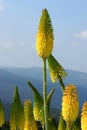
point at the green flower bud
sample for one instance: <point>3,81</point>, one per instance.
<point>55,69</point>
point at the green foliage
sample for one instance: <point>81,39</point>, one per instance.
<point>5,126</point>
<point>38,106</point>
<point>76,125</point>
<point>62,123</point>
<point>49,97</point>
<point>37,103</point>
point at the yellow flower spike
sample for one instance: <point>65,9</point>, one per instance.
<point>1,114</point>
<point>84,117</point>
<point>70,104</point>
<point>30,123</point>
<point>55,69</point>
<point>45,37</point>
<point>17,113</point>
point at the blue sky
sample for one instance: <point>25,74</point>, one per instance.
<point>19,21</point>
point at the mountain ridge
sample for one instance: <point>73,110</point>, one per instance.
<point>10,78</point>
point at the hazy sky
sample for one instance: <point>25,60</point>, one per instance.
<point>19,21</point>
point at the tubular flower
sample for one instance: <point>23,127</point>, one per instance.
<point>84,117</point>
<point>55,69</point>
<point>44,38</point>
<point>70,104</point>
<point>30,123</point>
<point>1,114</point>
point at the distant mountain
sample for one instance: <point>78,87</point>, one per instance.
<point>8,81</point>
<point>75,77</point>
<point>11,77</point>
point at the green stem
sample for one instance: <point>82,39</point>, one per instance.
<point>61,83</point>
<point>45,94</point>
<point>69,127</point>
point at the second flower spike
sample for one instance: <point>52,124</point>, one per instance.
<point>55,69</point>
<point>70,104</point>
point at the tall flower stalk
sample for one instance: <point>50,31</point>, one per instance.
<point>45,93</point>
<point>44,46</point>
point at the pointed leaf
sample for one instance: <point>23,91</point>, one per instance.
<point>38,102</point>
<point>49,97</point>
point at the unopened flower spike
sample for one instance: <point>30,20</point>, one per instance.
<point>84,116</point>
<point>45,37</point>
<point>56,70</point>
<point>30,123</point>
<point>17,112</point>
<point>70,104</point>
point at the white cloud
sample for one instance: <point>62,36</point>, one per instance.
<point>82,35</point>
<point>7,45</point>
<point>75,44</point>
<point>1,7</point>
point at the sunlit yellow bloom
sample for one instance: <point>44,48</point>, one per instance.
<point>30,123</point>
<point>84,117</point>
<point>44,38</point>
<point>70,104</point>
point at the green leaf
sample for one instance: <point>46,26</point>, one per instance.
<point>38,106</point>
<point>49,97</point>
<point>37,102</point>
<point>62,123</point>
